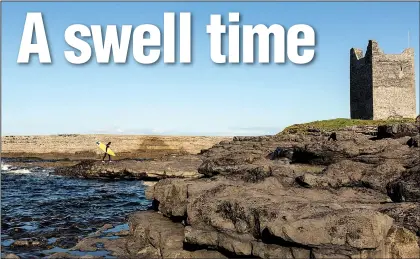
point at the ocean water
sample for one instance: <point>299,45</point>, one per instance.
<point>54,212</point>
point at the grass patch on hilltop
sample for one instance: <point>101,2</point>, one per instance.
<point>340,123</point>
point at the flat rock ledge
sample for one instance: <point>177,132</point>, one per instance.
<point>149,170</point>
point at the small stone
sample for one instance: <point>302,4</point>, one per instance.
<point>21,243</point>
<point>106,227</point>
<point>123,233</point>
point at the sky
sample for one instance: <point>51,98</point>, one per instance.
<point>201,98</point>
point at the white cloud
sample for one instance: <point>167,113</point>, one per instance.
<point>158,131</point>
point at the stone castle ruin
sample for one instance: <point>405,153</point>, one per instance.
<point>382,86</point>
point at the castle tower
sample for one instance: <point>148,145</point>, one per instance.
<point>382,86</point>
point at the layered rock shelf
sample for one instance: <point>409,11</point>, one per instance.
<point>74,146</point>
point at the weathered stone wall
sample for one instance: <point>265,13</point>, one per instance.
<point>382,85</point>
<point>361,99</point>
<point>394,92</point>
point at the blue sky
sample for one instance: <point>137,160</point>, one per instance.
<point>202,98</point>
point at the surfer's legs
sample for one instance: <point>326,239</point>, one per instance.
<point>104,157</point>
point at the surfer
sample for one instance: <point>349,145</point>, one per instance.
<point>106,153</point>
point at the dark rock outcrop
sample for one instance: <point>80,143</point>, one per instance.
<point>330,199</point>
<point>160,237</point>
<point>406,187</point>
<point>398,130</point>
<point>414,141</point>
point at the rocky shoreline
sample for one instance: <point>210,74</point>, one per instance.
<point>292,195</point>
<point>295,195</point>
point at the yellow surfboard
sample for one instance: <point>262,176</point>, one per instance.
<point>102,146</point>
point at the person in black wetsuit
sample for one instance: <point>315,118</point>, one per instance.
<point>106,150</point>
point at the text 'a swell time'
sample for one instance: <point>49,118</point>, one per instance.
<point>231,43</point>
